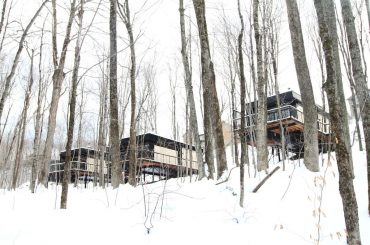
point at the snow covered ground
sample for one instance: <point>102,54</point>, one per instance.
<point>293,207</point>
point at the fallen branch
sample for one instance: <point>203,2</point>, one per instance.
<point>265,179</point>
<point>227,179</point>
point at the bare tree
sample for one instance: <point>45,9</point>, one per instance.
<point>190,95</point>
<point>325,10</point>
<point>38,117</point>
<point>11,74</point>
<point>23,125</point>
<point>274,39</point>
<point>243,144</point>
<point>211,105</point>
<point>359,77</point>
<point>3,15</point>
<point>344,50</point>
<point>173,88</point>
<point>368,10</point>
<point>113,100</point>
<point>261,137</point>
<point>124,11</point>
<point>229,46</point>
<point>57,78</point>
<point>72,110</point>
<point>311,150</point>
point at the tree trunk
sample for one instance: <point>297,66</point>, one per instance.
<point>209,90</point>
<point>262,154</point>
<point>23,126</point>
<point>368,11</point>
<point>355,105</point>
<point>38,122</point>
<point>332,29</point>
<point>346,187</point>
<point>243,142</point>
<point>274,39</point>
<point>57,78</point>
<point>125,14</point>
<point>311,150</point>
<point>113,100</point>
<point>102,129</point>
<point>360,79</point>
<point>189,94</point>
<point>72,111</point>
<point>3,15</point>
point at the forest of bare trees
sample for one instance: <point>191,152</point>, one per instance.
<point>88,73</point>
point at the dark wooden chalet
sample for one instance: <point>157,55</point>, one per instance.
<point>160,158</point>
<point>157,158</point>
<point>82,165</point>
<point>291,118</point>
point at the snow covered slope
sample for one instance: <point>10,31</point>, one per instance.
<point>292,207</point>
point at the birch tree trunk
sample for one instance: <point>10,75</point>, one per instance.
<point>190,94</point>
<point>346,187</point>
<point>209,90</point>
<point>261,137</point>
<point>361,87</point>
<point>72,111</point>
<point>113,100</point>
<point>57,78</point>
<point>311,150</point>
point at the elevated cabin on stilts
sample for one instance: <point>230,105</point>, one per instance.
<point>159,158</point>
<point>84,161</point>
<point>292,120</point>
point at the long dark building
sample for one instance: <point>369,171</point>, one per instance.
<point>157,158</point>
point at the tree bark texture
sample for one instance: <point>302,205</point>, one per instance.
<point>243,141</point>
<point>190,94</point>
<point>329,13</point>
<point>57,78</point>
<point>311,150</point>
<point>72,111</point>
<point>368,11</point>
<point>261,137</point>
<point>132,143</point>
<point>361,87</point>
<point>113,100</point>
<point>3,15</point>
<point>346,187</point>
<point>209,89</point>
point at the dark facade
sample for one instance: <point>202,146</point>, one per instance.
<point>160,157</point>
<point>157,156</point>
<point>83,164</point>
<point>291,118</point>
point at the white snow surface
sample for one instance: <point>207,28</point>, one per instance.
<point>201,212</point>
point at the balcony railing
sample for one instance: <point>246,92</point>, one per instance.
<point>142,155</point>
<point>287,112</point>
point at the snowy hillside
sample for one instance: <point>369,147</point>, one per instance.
<point>288,209</point>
